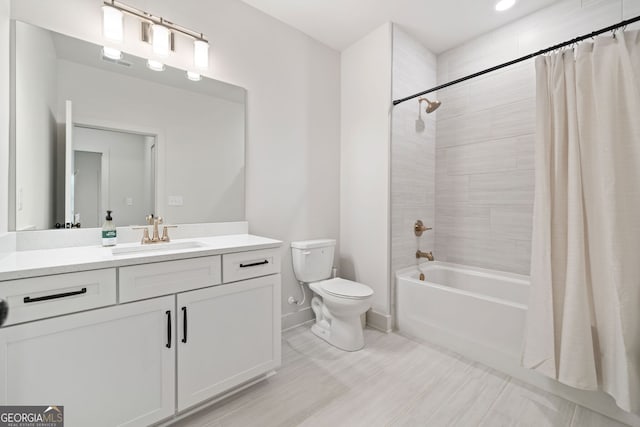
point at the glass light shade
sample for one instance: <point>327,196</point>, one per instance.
<point>191,75</point>
<point>112,23</point>
<point>111,52</point>
<point>504,5</point>
<point>160,39</point>
<point>201,54</point>
<point>155,65</point>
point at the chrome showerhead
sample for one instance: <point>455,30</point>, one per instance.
<point>431,105</point>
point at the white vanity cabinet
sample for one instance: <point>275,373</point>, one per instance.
<point>47,296</point>
<point>163,338</point>
<point>112,366</point>
<point>227,335</point>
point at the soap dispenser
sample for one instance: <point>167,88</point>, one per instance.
<point>108,231</point>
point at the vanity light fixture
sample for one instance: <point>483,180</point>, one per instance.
<point>503,5</point>
<point>155,30</point>
<point>112,23</point>
<point>193,76</point>
<point>201,54</point>
<point>160,39</point>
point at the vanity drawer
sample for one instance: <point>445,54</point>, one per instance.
<point>162,278</point>
<point>245,265</point>
<point>47,296</point>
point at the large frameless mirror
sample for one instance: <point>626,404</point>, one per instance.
<point>90,133</point>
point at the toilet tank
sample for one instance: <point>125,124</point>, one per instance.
<point>312,259</point>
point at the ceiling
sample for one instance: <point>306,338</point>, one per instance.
<point>438,24</point>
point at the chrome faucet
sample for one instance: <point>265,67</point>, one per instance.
<point>155,237</point>
<point>427,255</point>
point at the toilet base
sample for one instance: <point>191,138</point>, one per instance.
<point>345,334</point>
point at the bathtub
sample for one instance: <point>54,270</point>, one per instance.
<point>476,312</point>
<point>480,314</point>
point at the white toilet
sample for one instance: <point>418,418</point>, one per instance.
<point>338,303</point>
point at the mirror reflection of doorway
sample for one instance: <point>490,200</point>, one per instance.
<point>88,189</point>
<point>117,173</point>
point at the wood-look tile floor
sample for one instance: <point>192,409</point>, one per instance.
<point>393,381</point>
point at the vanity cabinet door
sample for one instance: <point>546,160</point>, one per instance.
<point>107,367</point>
<point>227,335</point>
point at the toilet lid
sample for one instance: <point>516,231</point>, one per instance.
<point>346,288</point>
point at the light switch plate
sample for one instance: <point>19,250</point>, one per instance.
<point>175,201</point>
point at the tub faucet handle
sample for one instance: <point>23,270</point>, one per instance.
<point>165,232</point>
<point>419,228</point>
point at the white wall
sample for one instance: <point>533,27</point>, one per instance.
<point>413,160</point>
<point>36,128</point>
<point>485,135</point>
<point>293,111</point>
<point>4,115</point>
<point>364,167</point>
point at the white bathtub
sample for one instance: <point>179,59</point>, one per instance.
<point>469,310</point>
<point>481,315</point>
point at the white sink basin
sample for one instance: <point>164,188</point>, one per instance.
<point>155,247</point>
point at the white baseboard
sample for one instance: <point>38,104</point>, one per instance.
<point>297,318</point>
<point>380,321</point>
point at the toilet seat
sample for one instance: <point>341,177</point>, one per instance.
<point>343,288</point>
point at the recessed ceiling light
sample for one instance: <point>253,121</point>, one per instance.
<point>504,5</point>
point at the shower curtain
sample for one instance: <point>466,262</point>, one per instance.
<point>583,325</point>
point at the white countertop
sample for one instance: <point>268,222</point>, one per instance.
<point>44,262</point>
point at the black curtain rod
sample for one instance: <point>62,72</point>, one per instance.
<point>523,58</point>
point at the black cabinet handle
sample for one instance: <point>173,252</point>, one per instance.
<point>253,264</point>
<point>4,311</point>
<point>27,300</point>
<point>168,313</point>
<point>184,324</point>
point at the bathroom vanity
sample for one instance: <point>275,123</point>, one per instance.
<point>134,335</point>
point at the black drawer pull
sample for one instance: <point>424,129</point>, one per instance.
<point>253,264</point>
<point>4,311</point>
<point>184,324</point>
<point>27,300</point>
<point>168,313</point>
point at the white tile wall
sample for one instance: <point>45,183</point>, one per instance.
<point>485,135</point>
<point>413,159</point>
<point>630,9</point>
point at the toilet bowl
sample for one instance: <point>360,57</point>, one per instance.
<point>337,303</point>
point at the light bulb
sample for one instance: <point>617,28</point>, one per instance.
<point>160,39</point>
<point>201,54</point>
<point>111,52</point>
<point>112,23</point>
<point>193,76</point>
<point>155,65</point>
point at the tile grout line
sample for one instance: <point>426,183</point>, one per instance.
<point>495,401</point>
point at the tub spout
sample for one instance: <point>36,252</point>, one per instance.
<point>427,255</point>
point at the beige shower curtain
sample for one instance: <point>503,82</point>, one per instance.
<point>583,326</point>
